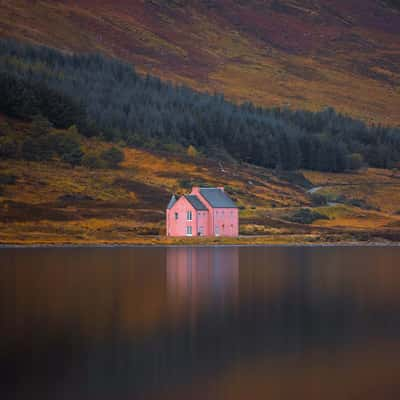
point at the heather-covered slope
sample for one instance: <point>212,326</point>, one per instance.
<point>308,54</point>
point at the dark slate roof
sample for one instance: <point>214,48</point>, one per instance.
<point>171,202</point>
<point>196,203</point>
<point>217,198</point>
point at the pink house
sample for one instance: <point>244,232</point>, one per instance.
<point>203,212</point>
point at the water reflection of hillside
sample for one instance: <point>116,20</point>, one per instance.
<point>97,322</point>
<point>200,278</point>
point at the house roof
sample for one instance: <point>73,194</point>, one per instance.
<point>195,202</point>
<point>171,202</point>
<point>217,198</point>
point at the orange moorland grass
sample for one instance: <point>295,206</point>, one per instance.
<point>342,216</point>
<point>377,187</point>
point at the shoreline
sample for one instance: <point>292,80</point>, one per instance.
<point>197,243</point>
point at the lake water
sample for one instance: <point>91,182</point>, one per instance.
<point>200,323</point>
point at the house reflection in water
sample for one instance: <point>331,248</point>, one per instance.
<point>201,278</point>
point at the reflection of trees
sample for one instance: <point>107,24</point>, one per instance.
<point>82,328</point>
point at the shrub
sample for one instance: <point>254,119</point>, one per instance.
<point>306,216</point>
<point>38,149</point>
<point>8,148</point>
<point>92,161</point>
<point>5,128</point>
<point>360,203</point>
<point>40,126</point>
<point>68,147</point>
<point>112,157</point>
<point>73,132</point>
<point>73,156</point>
<point>318,200</point>
<point>7,179</point>
<point>354,161</point>
<point>173,147</point>
<point>295,178</point>
<point>192,152</point>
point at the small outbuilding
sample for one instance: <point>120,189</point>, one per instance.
<point>203,212</point>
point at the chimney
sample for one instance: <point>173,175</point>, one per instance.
<point>221,188</point>
<point>195,190</point>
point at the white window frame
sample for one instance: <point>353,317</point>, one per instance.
<point>189,216</point>
<point>189,230</point>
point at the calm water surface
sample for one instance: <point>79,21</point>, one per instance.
<point>200,323</point>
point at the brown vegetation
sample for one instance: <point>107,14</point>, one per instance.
<point>287,52</point>
<point>54,203</point>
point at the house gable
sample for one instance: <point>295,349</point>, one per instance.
<point>187,217</point>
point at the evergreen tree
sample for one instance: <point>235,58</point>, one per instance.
<point>105,97</point>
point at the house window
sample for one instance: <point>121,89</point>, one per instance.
<point>217,231</point>
<point>201,231</point>
<point>176,215</point>
<point>189,215</point>
<point>188,231</point>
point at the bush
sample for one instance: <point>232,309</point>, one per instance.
<point>8,148</point>
<point>112,157</point>
<point>192,152</point>
<point>5,128</point>
<point>7,179</point>
<point>306,216</point>
<point>38,149</point>
<point>295,178</point>
<point>354,161</point>
<point>318,200</point>
<point>360,203</point>
<point>73,156</point>
<point>40,126</point>
<point>68,148</point>
<point>92,161</point>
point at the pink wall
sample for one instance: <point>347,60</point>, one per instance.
<point>196,191</point>
<point>226,221</point>
<point>177,227</point>
<point>203,223</point>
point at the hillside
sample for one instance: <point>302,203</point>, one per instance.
<point>52,202</point>
<point>107,98</point>
<point>306,54</point>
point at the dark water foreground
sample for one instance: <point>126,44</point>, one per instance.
<point>200,323</point>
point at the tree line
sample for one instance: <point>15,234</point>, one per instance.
<point>106,97</point>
